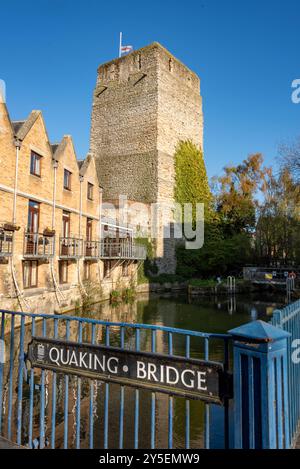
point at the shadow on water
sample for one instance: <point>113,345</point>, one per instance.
<point>216,315</point>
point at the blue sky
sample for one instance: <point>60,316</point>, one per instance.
<point>245,52</point>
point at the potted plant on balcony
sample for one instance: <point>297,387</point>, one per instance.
<point>49,232</point>
<point>11,227</point>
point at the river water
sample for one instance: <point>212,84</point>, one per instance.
<point>215,315</point>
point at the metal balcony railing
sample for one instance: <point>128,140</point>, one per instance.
<point>6,240</point>
<point>92,249</point>
<point>38,246</point>
<point>122,250</point>
<point>70,248</point>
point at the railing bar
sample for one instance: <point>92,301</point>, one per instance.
<point>121,426</point>
<point>122,337</point>
<point>153,395</point>
<point>66,397</point>
<point>106,399</point>
<point>11,370</point>
<point>170,411</point>
<point>1,369</point>
<point>295,420</point>
<point>31,392</point>
<point>118,324</point>
<point>297,335</point>
<point>207,408</point>
<point>78,393</point>
<point>122,395</point>
<point>20,381</point>
<point>226,400</point>
<point>42,395</point>
<point>91,433</point>
<point>54,380</point>
<point>187,402</point>
<point>137,397</point>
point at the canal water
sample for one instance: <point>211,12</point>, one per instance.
<point>216,315</point>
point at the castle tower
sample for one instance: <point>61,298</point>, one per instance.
<point>144,103</point>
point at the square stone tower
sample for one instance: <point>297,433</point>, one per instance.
<point>144,103</point>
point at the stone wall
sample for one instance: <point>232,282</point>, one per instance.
<point>144,104</point>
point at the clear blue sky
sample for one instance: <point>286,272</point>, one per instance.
<point>245,52</point>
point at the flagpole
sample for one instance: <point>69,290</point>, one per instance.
<point>120,45</point>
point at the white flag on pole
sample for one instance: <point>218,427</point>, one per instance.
<point>124,49</point>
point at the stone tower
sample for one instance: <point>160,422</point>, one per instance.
<point>143,104</point>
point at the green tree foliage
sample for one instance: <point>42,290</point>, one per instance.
<point>235,200</point>
<point>229,216</point>
<point>278,222</point>
<point>220,255</point>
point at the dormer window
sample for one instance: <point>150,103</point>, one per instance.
<point>35,164</point>
<point>90,191</point>
<point>67,179</point>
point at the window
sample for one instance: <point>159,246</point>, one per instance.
<point>89,229</point>
<point>30,274</point>
<point>33,217</point>
<point>66,224</point>
<point>35,164</point>
<point>90,191</point>
<point>63,272</point>
<point>87,270</point>
<point>67,179</point>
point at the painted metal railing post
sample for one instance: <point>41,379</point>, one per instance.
<point>261,411</point>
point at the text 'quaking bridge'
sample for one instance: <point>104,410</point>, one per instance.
<point>252,391</point>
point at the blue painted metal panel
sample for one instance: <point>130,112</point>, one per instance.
<point>288,319</point>
<point>260,383</point>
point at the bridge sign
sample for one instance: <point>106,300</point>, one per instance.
<point>186,377</point>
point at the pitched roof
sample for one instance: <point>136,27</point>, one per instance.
<point>84,164</point>
<point>21,128</point>
<point>59,148</point>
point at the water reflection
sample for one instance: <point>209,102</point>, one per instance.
<point>208,315</point>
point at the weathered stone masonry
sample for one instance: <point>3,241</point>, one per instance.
<point>144,103</point>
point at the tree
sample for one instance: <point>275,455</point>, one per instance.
<point>235,197</point>
<point>227,244</point>
<point>289,158</point>
<point>278,223</point>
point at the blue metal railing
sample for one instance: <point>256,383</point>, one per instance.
<point>288,319</point>
<point>64,411</point>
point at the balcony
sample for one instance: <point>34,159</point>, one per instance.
<point>92,249</point>
<point>122,250</point>
<point>38,246</point>
<point>70,248</point>
<point>6,241</point>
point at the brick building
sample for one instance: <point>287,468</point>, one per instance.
<point>53,238</point>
